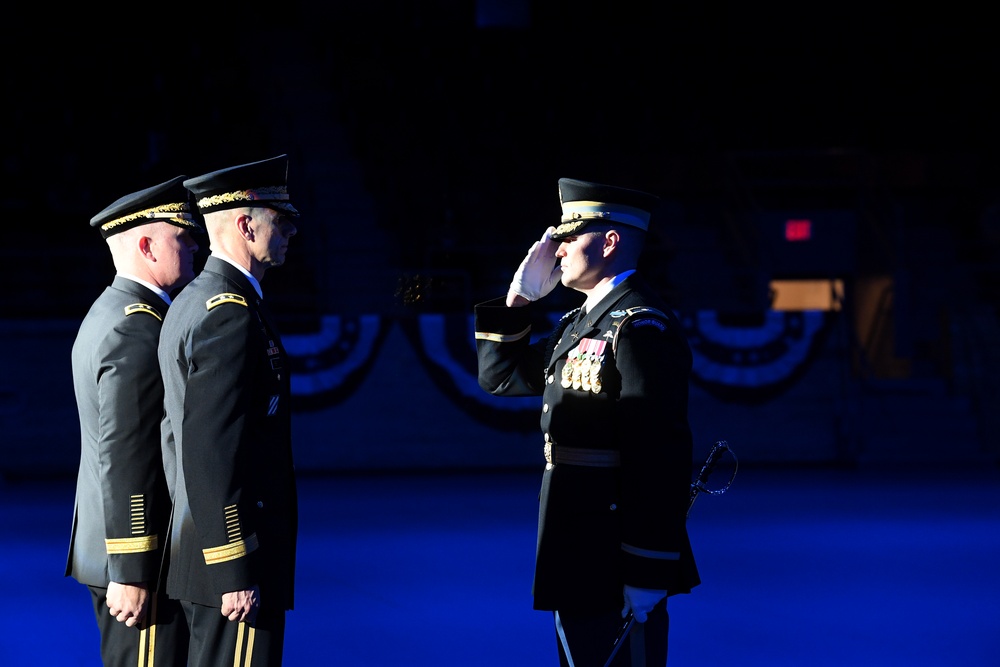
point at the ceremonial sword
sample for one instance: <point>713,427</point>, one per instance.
<point>698,486</point>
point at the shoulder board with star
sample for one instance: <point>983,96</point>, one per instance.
<point>638,316</point>
<point>134,308</point>
<point>225,297</point>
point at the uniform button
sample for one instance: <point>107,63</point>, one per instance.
<point>260,504</point>
<point>613,507</point>
<point>547,436</point>
<point>545,408</point>
<point>550,379</point>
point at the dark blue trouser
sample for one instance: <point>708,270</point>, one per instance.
<point>591,639</point>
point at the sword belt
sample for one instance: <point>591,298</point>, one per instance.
<point>578,456</point>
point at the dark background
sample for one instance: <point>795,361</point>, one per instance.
<point>451,121</point>
<point>425,141</point>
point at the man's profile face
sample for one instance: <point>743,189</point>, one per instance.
<point>582,259</point>
<point>174,248</point>
<point>272,231</point>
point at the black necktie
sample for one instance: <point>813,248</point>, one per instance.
<point>581,317</point>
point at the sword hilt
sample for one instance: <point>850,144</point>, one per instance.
<point>697,486</point>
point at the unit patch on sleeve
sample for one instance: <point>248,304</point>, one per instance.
<point>641,316</point>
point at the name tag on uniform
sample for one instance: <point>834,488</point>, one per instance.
<point>274,354</point>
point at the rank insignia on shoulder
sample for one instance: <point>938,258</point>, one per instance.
<point>142,308</point>
<point>225,297</point>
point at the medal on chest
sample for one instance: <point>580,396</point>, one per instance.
<point>582,370</point>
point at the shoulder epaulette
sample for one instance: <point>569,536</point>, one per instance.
<point>653,317</point>
<point>225,297</point>
<point>142,308</point>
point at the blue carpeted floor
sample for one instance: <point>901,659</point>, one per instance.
<point>800,567</point>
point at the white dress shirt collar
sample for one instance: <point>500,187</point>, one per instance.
<point>253,281</point>
<point>163,295</point>
<point>602,291</point>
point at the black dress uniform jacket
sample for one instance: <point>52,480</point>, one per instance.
<point>617,442</point>
<point>227,444</point>
<point>122,505</point>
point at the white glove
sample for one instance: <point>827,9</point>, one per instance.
<point>539,272</point>
<point>640,601</point>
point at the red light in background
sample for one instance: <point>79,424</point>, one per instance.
<point>798,230</point>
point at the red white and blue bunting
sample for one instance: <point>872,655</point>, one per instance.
<point>735,361</point>
<point>329,365</point>
<point>753,363</point>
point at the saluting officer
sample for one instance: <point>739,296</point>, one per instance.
<point>122,506</point>
<point>614,378</point>
<point>227,430</point>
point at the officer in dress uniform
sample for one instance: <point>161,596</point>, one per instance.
<point>122,506</point>
<point>614,378</point>
<point>227,430</point>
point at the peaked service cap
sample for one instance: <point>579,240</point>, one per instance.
<point>263,183</point>
<point>167,202</point>
<point>584,202</point>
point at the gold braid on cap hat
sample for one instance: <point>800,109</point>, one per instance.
<point>576,214</point>
<point>276,193</point>
<point>174,212</point>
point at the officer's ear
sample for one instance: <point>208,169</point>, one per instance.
<point>244,227</point>
<point>611,240</point>
<point>144,244</point>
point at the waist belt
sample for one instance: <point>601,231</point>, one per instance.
<point>577,456</point>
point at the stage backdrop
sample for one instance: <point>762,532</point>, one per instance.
<point>392,393</point>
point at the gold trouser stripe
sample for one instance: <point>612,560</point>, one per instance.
<point>250,635</point>
<point>249,629</point>
<point>147,637</point>
<point>143,646</point>
<point>239,645</point>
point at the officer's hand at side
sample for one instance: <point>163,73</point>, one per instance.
<point>241,606</point>
<point>539,272</point>
<point>127,602</point>
<point>640,601</point>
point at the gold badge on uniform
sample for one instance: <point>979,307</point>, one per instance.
<point>582,370</point>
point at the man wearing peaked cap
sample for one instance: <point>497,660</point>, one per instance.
<point>168,202</point>
<point>227,428</point>
<point>583,203</point>
<point>263,183</point>
<point>613,376</point>
<point>122,504</point>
